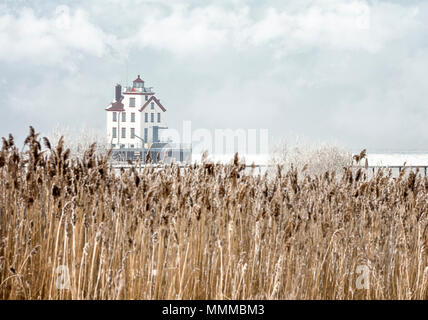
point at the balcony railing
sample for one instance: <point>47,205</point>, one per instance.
<point>144,90</point>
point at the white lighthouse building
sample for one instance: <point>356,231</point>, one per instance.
<point>134,119</point>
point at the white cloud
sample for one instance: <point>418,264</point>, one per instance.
<point>50,40</point>
<point>183,30</point>
<point>334,24</point>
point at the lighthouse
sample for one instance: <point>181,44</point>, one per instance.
<point>134,120</point>
<point>134,117</point>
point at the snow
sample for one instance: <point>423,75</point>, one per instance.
<point>374,159</point>
<point>397,159</point>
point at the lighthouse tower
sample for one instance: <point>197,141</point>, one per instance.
<point>134,117</point>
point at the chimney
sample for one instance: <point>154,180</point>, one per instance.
<point>118,92</point>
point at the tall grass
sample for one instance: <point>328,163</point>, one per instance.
<point>207,231</point>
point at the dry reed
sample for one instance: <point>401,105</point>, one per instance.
<point>72,228</point>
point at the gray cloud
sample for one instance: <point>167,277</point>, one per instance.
<point>352,72</point>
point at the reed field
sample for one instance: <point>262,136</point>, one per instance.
<point>73,228</point>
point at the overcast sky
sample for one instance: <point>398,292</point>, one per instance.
<point>351,72</point>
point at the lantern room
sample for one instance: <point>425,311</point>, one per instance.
<point>138,84</point>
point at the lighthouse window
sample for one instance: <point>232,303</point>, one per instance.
<point>153,105</point>
<point>152,118</point>
<point>114,116</point>
<point>132,102</point>
<point>146,117</point>
<point>124,117</point>
<point>123,132</point>
<point>159,117</point>
<point>132,117</point>
<point>114,132</point>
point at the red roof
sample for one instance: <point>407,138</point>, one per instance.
<point>116,106</point>
<point>138,79</point>
<point>153,98</point>
<point>141,93</point>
